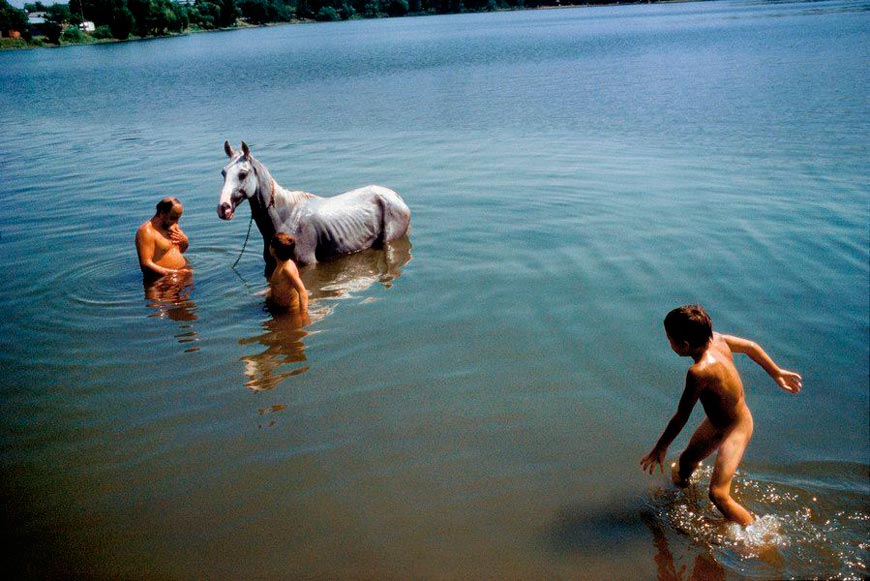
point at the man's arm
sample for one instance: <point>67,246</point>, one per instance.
<point>787,380</point>
<point>675,425</point>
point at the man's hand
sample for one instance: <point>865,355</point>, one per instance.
<point>789,381</point>
<point>656,456</point>
<point>177,237</point>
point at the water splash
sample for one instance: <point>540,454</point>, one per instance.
<point>765,531</point>
<point>815,527</point>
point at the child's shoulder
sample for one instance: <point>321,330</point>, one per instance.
<point>285,267</point>
<point>279,274</point>
<point>721,346</point>
<point>699,371</point>
<point>289,266</point>
<point>712,363</point>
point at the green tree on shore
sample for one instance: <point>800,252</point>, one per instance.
<point>265,11</point>
<point>122,21</point>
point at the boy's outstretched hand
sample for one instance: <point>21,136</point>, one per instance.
<point>789,381</point>
<point>656,456</point>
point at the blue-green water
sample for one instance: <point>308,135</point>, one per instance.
<point>476,402</point>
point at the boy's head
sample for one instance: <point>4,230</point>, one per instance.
<point>282,246</point>
<point>689,328</point>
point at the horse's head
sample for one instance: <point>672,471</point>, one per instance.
<point>240,180</point>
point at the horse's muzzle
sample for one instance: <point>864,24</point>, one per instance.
<point>225,211</point>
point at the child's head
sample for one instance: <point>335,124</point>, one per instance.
<point>282,246</point>
<point>689,325</point>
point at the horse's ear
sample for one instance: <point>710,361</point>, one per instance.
<point>246,150</point>
<point>229,149</point>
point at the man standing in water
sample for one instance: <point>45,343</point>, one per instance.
<point>160,242</point>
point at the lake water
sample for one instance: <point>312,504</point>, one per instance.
<point>472,402</point>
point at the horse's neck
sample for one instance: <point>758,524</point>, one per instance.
<point>284,198</point>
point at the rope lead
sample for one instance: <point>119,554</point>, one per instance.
<point>251,223</point>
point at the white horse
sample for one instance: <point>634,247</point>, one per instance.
<point>323,227</point>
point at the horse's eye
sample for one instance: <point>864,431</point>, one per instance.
<point>243,175</point>
<point>224,172</point>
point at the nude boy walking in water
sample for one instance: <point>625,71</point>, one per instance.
<point>160,242</point>
<point>714,380</point>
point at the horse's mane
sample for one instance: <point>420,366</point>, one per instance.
<point>288,198</point>
<point>274,193</point>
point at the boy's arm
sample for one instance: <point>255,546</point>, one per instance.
<point>684,410</point>
<point>787,380</point>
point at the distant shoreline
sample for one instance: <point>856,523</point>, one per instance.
<point>20,44</point>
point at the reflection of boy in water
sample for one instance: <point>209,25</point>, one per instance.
<point>160,242</point>
<point>286,289</point>
<point>714,380</point>
<point>705,567</point>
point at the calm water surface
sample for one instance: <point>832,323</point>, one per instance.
<point>473,401</point>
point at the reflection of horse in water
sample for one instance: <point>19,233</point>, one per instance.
<point>169,296</point>
<point>355,273</point>
<point>337,279</point>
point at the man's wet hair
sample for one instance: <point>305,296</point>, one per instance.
<point>284,245</point>
<point>165,205</point>
<point>689,323</point>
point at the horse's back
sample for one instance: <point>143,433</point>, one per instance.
<point>370,193</point>
<point>350,222</point>
<point>395,214</point>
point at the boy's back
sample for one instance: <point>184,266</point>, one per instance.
<point>282,290</point>
<point>721,390</point>
<point>286,289</point>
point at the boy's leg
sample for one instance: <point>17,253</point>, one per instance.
<point>730,454</point>
<point>704,442</point>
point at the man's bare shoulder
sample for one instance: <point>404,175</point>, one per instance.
<point>145,231</point>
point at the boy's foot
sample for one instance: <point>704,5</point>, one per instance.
<point>677,478</point>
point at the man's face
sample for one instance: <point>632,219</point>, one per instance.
<point>171,217</point>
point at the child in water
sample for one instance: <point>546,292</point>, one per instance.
<point>714,380</point>
<point>286,290</point>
